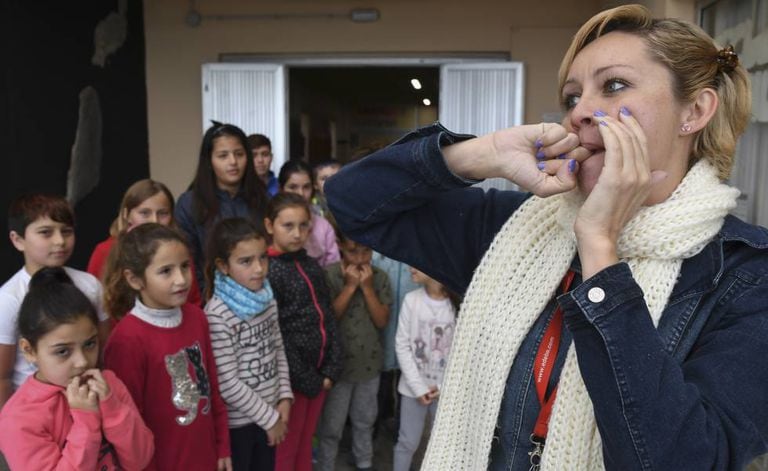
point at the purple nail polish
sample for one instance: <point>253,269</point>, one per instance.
<point>572,166</point>
<point>540,165</point>
<point>599,114</point>
<point>562,156</point>
<point>602,123</point>
<point>540,155</point>
<point>623,110</point>
<point>539,144</point>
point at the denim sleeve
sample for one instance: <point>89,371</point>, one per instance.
<point>710,412</point>
<point>405,203</point>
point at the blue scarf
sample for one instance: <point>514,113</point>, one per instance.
<point>245,303</point>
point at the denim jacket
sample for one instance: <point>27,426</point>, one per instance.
<point>229,207</point>
<point>690,394</point>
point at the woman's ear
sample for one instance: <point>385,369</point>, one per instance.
<point>27,350</point>
<point>700,111</point>
<point>268,226</point>
<point>135,282</point>
<point>222,266</point>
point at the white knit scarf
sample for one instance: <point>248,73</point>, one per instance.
<point>517,277</point>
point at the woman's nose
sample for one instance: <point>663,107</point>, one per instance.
<point>582,114</point>
<point>153,217</point>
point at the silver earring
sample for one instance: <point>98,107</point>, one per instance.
<point>685,127</point>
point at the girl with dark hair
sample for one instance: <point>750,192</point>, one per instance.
<point>296,177</point>
<point>247,344</point>
<point>68,414</point>
<point>161,349</point>
<point>308,325</point>
<point>225,185</point>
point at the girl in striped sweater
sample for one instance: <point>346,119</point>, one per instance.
<point>247,345</point>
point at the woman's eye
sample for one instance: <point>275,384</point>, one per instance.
<point>614,85</point>
<point>90,345</point>
<point>570,101</point>
<point>61,352</point>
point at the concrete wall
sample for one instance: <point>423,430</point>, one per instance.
<point>534,32</point>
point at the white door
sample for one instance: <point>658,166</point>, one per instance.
<point>478,98</point>
<point>250,96</point>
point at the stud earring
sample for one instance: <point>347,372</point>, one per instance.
<point>685,127</point>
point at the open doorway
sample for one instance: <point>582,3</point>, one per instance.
<point>347,112</point>
<point>315,108</point>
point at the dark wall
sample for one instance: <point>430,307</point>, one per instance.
<point>46,61</point>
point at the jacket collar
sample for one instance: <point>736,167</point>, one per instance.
<point>224,195</point>
<point>736,230</point>
<point>703,271</point>
<point>275,253</point>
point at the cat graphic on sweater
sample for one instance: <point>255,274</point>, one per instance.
<point>187,391</point>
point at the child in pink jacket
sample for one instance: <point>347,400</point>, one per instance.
<point>296,177</point>
<point>68,415</point>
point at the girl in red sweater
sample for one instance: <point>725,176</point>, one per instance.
<point>144,201</point>
<point>68,415</point>
<point>161,350</point>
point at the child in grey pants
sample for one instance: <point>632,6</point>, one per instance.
<point>424,334</point>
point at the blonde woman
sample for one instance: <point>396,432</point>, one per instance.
<point>624,254</point>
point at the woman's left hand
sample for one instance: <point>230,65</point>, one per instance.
<point>96,382</point>
<point>621,188</point>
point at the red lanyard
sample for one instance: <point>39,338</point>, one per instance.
<point>544,363</point>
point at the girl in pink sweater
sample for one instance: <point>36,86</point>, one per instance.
<point>69,415</point>
<point>296,177</point>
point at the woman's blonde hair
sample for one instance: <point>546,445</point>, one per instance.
<point>136,194</point>
<point>691,56</point>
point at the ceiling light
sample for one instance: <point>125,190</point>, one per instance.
<point>416,84</point>
<point>426,101</point>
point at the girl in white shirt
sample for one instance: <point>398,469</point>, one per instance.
<point>424,334</point>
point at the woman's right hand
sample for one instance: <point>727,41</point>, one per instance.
<point>276,434</point>
<point>80,396</point>
<point>518,153</point>
<point>96,382</point>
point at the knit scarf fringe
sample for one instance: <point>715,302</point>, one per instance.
<point>515,280</point>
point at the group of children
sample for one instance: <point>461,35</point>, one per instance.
<point>288,345</point>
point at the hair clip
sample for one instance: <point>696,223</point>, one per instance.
<point>727,59</point>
